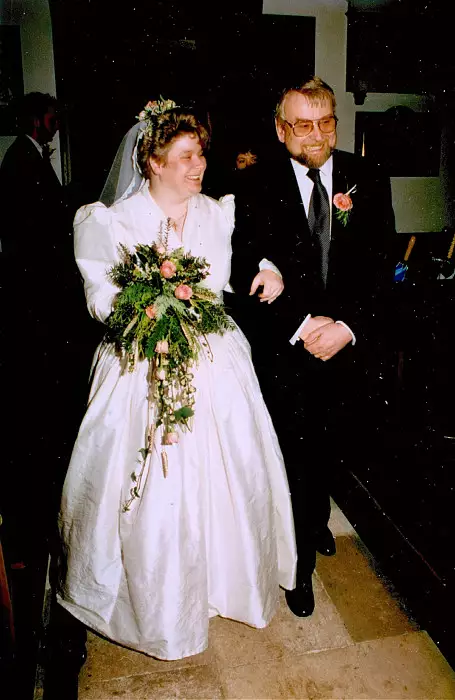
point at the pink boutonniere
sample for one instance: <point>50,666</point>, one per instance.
<point>343,203</point>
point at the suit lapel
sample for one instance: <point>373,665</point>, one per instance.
<point>43,168</point>
<point>290,193</point>
<point>342,181</point>
<point>30,150</point>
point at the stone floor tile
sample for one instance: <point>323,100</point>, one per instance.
<point>269,681</point>
<point>405,667</point>
<point>338,523</point>
<point>367,606</point>
<point>191,683</point>
<point>236,644</point>
<point>107,661</point>
<point>324,629</point>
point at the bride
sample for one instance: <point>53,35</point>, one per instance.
<point>216,536</point>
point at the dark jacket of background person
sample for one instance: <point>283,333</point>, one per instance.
<point>44,357</point>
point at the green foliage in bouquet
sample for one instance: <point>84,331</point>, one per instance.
<point>161,298</point>
<point>164,314</point>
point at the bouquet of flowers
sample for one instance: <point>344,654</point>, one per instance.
<point>163,314</point>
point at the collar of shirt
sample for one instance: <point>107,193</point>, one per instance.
<point>36,144</point>
<point>306,185</point>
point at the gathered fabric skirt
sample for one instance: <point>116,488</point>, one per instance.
<point>213,537</point>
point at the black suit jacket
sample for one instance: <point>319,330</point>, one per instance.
<point>42,294</point>
<point>272,224</point>
<point>37,261</point>
<point>44,361</point>
<point>33,201</point>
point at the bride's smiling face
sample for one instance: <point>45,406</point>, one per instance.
<point>182,167</point>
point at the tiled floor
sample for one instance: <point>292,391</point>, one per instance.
<point>359,643</point>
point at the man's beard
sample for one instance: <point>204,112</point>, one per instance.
<point>314,161</point>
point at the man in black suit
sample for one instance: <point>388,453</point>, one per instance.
<point>36,222</point>
<point>41,294</point>
<point>33,203</point>
<point>323,219</point>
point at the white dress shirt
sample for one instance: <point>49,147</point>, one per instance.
<point>306,185</point>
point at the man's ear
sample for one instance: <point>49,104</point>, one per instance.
<point>36,127</point>
<point>280,130</point>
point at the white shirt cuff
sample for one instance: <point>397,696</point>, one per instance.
<point>267,265</point>
<point>348,329</point>
<point>296,335</point>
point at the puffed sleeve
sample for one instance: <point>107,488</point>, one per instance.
<point>95,253</point>
<point>227,204</point>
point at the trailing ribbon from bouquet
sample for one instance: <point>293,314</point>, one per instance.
<point>163,314</point>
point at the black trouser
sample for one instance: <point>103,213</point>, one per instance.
<point>310,405</point>
<point>44,382</point>
<point>66,654</point>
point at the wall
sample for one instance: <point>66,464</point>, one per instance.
<point>33,17</point>
<point>418,202</point>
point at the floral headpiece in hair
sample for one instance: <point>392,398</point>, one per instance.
<point>152,109</point>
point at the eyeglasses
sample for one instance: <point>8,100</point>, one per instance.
<point>326,125</point>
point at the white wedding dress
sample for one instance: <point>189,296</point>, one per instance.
<point>216,536</point>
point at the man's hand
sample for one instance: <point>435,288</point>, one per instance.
<point>327,340</point>
<point>313,324</point>
<point>272,285</point>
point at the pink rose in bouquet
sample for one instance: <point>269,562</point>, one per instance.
<point>170,438</point>
<point>162,347</point>
<point>168,269</point>
<point>150,311</point>
<point>160,249</point>
<point>183,292</point>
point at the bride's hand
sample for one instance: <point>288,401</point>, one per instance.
<point>271,283</point>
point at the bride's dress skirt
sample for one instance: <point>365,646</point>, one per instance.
<point>215,537</point>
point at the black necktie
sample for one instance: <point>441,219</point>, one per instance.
<point>319,219</point>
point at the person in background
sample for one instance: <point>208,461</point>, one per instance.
<point>26,167</point>
<point>245,160</point>
<point>41,304</point>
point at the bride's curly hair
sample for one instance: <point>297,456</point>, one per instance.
<point>163,130</point>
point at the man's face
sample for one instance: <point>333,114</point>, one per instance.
<point>316,148</point>
<point>47,127</point>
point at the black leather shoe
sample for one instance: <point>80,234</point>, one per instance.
<point>301,600</point>
<point>325,543</point>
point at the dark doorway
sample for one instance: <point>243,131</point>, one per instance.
<point>231,62</point>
